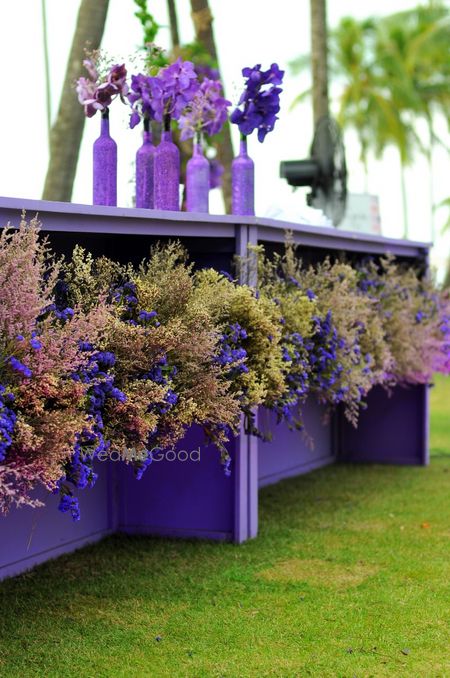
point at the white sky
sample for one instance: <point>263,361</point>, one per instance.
<point>246,34</point>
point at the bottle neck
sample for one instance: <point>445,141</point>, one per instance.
<point>147,131</point>
<point>105,123</point>
<point>198,146</point>
<point>243,145</point>
<point>166,134</point>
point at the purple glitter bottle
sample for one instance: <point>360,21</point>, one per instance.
<point>145,164</point>
<point>197,180</point>
<point>243,182</point>
<point>105,166</point>
<point>167,171</point>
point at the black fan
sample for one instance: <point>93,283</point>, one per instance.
<point>325,171</point>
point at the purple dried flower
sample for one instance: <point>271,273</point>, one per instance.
<point>7,422</point>
<point>36,344</point>
<point>69,504</point>
<point>18,366</point>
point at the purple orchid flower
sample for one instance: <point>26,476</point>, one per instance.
<point>140,97</point>
<point>207,112</point>
<point>97,96</point>
<point>173,89</point>
<point>117,76</point>
<point>205,72</point>
<point>259,102</point>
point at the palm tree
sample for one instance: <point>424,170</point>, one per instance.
<point>390,72</point>
<point>375,93</point>
<point>48,92</point>
<point>419,41</point>
<point>319,59</point>
<point>173,22</point>
<point>413,52</point>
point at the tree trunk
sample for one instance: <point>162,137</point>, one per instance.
<point>319,59</point>
<point>202,18</point>
<point>404,198</point>
<point>173,20</point>
<point>48,94</point>
<point>67,131</point>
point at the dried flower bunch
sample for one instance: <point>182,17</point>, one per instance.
<point>96,356</point>
<point>43,408</point>
<point>347,329</point>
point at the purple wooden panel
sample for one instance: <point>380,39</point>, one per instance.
<point>289,453</point>
<point>392,430</point>
<point>31,536</point>
<point>180,498</point>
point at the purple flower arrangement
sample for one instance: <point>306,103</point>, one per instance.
<point>96,93</point>
<point>206,113</point>
<point>257,110</point>
<point>259,102</point>
<point>163,97</point>
<point>181,92</point>
<point>175,88</point>
<point>140,97</point>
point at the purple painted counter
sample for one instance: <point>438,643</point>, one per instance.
<point>191,497</point>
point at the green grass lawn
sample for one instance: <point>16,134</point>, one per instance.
<point>348,577</point>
